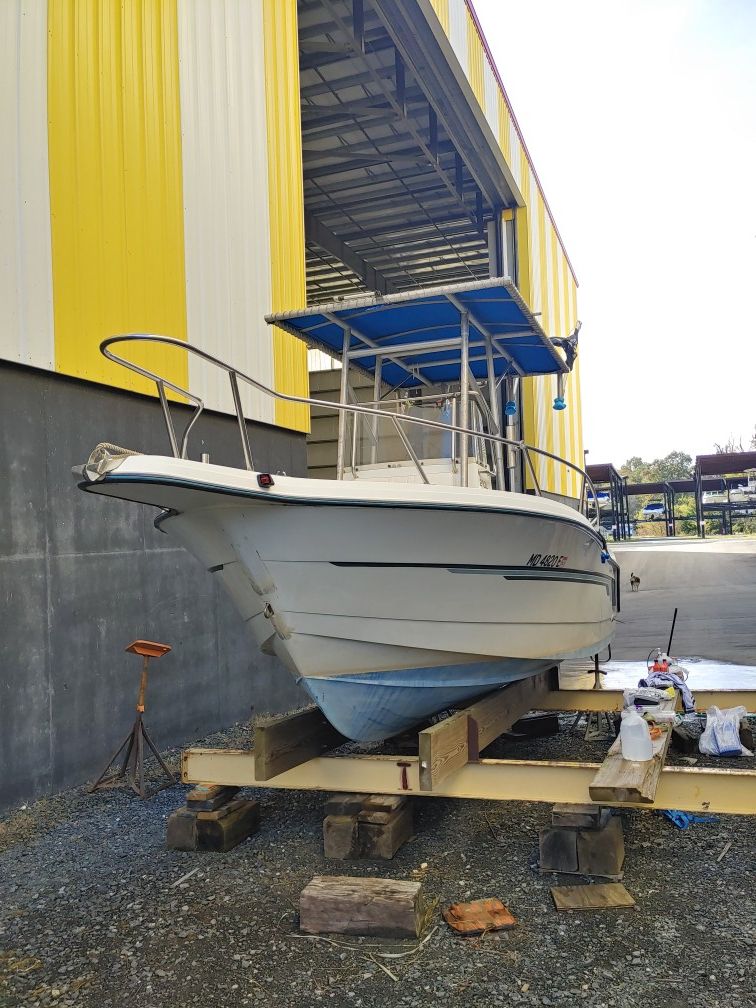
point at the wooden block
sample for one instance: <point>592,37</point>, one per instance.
<point>383,803</point>
<point>340,838</point>
<point>229,831</point>
<point>746,733</point>
<point>478,916</point>
<point>376,818</point>
<point>284,741</point>
<point>222,812</point>
<point>558,850</point>
<point>344,804</point>
<point>603,896</point>
<point>361,906</point>
<point>188,830</point>
<point>383,840</point>
<point>621,780</point>
<point>537,725</point>
<point>204,798</point>
<point>602,852</point>
<point>368,835</point>
<point>582,816</point>
<point>181,830</point>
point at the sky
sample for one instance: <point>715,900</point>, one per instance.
<point>640,118</point>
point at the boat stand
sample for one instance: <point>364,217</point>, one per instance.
<point>135,740</point>
<point>296,752</point>
<point>599,725</point>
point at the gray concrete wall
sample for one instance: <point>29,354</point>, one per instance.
<point>82,576</point>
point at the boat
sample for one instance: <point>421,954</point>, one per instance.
<point>434,568</point>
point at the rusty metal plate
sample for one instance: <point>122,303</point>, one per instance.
<point>479,916</point>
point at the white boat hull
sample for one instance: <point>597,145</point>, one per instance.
<point>388,602</point>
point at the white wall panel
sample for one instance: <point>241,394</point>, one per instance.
<point>26,314</point>
<point>491,94</point>
<point>515,154</point>
<point>458,32</point>
<point>225,179</point>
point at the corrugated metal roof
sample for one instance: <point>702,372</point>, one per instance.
<point>429,322</point>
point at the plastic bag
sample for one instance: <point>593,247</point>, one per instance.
<point>721,735</point>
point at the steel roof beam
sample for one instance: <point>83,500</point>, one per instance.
<point>390,94</point>
<point>319,233</point>
<point>424,51</point>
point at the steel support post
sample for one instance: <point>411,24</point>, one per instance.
<point>377,380</point>
<point>494,402</point>
<point>464,396</point>
<point>343,400</point>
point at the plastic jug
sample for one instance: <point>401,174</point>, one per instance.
<point>635,739</point>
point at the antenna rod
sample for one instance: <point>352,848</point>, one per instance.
<point>671,632</point>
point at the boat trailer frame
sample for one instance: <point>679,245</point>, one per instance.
<point>292,753</point>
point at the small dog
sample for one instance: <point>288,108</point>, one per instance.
<point>634,582</point>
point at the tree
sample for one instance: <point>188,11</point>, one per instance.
<point>676,465</point>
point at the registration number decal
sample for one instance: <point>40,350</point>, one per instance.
<point>552,560</point>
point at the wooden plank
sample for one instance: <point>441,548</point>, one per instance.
<point>337,904</point>
<point>602,896</point>
<point>288,740</point>
<point>442,748</point>
<point>612,700</point>
<point>621,780</point>
<point>496,713</point>
<point>207,799</point>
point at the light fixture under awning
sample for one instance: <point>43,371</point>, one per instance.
<point>419,333</point>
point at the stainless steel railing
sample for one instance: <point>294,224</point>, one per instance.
<point>180,447</point>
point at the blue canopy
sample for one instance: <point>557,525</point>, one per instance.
<point>428,324</point>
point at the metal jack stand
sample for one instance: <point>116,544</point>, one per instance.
<point>134,741</point>
<point>599,726</point>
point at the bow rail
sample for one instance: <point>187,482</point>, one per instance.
<point>180,446</point>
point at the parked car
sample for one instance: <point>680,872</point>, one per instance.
<point>654,509</point>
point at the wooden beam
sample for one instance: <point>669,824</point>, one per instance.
<point>495,714</point>
<point>443,748</point>
<point>450,744</point>
<point>284,741</point>
<point>621,780</point>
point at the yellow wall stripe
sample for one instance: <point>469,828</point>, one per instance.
<point>441,7</point>
<point>474,58</point>
<point>116,205</point>
<point>287,249</point>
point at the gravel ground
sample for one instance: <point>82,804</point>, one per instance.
<point>93,912</point>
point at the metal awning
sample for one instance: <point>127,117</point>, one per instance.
<point>403,180</point>
<point>418,334</point>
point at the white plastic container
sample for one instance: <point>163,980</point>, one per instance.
<point>634,737</point>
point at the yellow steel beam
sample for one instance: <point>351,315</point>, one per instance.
<point>611,700</point>
<point>693,790</point>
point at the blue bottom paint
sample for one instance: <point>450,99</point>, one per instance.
<point>369,707</point>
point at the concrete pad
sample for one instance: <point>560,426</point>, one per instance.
<point>713,584</point>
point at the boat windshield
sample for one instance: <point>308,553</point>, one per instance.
<point>388,447</point>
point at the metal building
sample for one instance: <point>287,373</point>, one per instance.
<point>185,167</point>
